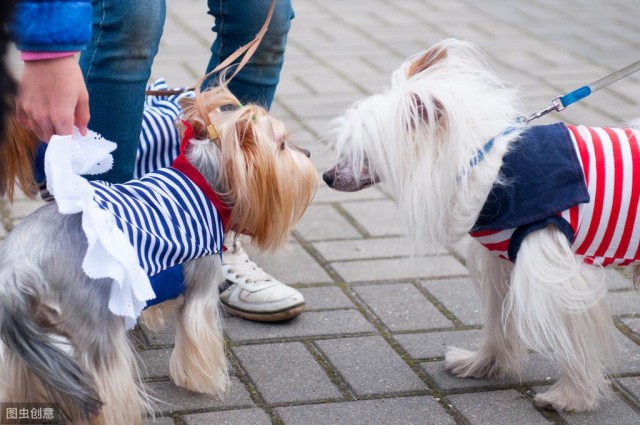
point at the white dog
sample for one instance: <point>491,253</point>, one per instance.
<point>550,205</point>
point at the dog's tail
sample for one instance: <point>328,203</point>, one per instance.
<point>27,329</point>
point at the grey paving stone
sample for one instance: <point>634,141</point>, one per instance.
<point>154,363</point>
<point>325,297</point>
<point>612,411</point>
<point>370,366</point>
<point>401,307</point>
<point>628,355</point>
<point>318,106</point>
<point>343,322</point>
<point>379,218</point>
<point>359,249</point>
<point>229,417</point>
<point>400,268</point>
<point>326,195</point>
<point>326,82</point>
<point>631,385</point>
<point>617,280</point>
<point>386,411</point>
<point>299,378</point>
<point>159,420</point>
<point>460,297</point>
<point>170,398</point>
<point>633,324</point>
<point>536,369</point>
<point>625,302</point>
<point>290,265</point>
<point>322,159</point>
<point>434,344</point>
<point>325,222</point>
<point>497,408</point>
<point>163,336</point>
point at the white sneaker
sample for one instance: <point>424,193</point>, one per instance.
<point>249,292</point>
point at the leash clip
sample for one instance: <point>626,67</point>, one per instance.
<point>556,105</point>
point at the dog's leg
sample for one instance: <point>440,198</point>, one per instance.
<point>501,351</point>
<point>110,359</point>
<point>559,307</point>
<point>198,362</point>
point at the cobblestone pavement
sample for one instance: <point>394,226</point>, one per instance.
<point>369,349</point>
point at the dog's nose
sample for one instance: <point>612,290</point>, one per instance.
<point>329,177</point>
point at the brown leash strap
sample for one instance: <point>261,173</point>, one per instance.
<point>168,92</point>
<point>245,51</point>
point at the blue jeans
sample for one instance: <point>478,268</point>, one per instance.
<point>117,67</point>
<point>125,38</point>
<point>236,23</point>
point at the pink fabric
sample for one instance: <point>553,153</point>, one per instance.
<point>34,56</point>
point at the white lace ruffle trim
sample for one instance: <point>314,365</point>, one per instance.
<point>109,253</point>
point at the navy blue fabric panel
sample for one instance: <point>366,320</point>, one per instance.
<point>523,231</point>
<point>168,285</point>
<point>52,26</point>
<point>38,166</point>
<point>543,177</point>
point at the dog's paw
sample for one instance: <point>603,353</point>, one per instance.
<point>470,364</point>
<point>566,399</point>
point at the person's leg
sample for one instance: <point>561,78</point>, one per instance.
<point>248,291</point>
<point>236,23</point>
<point>117,66</point>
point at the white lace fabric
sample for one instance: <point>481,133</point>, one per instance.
<point>109,253</point>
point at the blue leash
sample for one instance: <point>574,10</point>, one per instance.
<point>561,102</point>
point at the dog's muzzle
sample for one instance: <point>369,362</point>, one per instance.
<point>342,178</point>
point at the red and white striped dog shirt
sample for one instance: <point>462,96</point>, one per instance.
<point>602,227</point>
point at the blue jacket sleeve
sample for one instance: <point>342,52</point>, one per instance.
<point>52,25</point>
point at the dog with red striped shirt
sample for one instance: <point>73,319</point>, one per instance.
<point>549,205</point>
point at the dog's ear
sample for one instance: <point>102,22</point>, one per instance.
<point>438,113</point>
<point>427,59</point>
<point>190,115</point>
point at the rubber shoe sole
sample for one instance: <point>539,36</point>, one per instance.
<point>271,316</point>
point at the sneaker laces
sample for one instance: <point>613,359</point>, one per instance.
<point>237,262</point>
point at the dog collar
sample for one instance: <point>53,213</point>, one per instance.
<point>480,154</point>
<point>181,164</point>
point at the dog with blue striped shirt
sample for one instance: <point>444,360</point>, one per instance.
<point>74,274</point>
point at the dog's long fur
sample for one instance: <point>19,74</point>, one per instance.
<point>17,145</point>
<point>419,137</point>
<point>62,343</point>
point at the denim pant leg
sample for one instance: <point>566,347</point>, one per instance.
<point>116,67</point>
<point>236,23</point>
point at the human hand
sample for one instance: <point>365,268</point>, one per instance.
<point>52,97</point>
